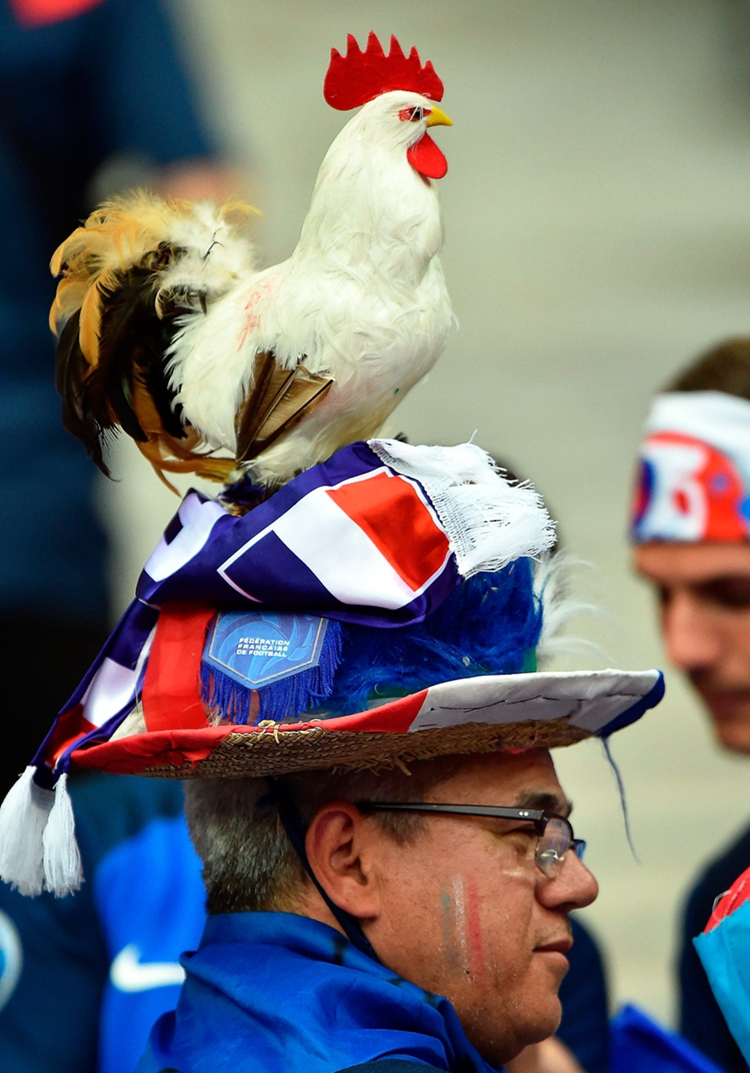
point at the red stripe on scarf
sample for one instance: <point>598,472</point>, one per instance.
<point>171,688</point>
<point>386,508</point>
<point>70,727</point>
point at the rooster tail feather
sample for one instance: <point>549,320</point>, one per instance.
<point>79,417</point>
<point>131,348</point>
<point>166,453</point>
<point>137,265</point>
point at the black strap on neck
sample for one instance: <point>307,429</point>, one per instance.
<point>296,831</point>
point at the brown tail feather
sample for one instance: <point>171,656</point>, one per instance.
<point>212,469</point>
<point>279,399</point>
<point>170,455</point>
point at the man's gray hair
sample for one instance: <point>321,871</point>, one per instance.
<point>249,864</point>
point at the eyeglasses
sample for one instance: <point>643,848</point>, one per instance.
<point>555,832</point>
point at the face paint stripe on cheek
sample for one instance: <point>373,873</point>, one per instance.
<point>446,920</point>
<point>460,929</point>
<point>474,926</point>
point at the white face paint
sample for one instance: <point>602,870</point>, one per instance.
<point>460,921</point>
<point>11,958</point>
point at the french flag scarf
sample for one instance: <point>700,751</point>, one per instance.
<point>379,534</point>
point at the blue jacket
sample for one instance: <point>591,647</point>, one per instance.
<point>274,992</point>
<point>83,978</point>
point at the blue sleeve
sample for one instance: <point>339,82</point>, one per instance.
<point>585,1021</point>
<point>701,1020</point>
<point>54,969</point>
<point>150,900</point>
<point>86,975</point>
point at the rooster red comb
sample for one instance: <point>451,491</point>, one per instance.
<point>359,77</point>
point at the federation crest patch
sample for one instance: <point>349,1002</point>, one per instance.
<point>256,648</point>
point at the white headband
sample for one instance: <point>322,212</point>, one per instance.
<point>694,469</point>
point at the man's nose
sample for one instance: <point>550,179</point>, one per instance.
<point>574,888</point>
<point>690,640</point>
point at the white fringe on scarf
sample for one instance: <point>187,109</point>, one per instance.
<point>489,521</point>
<point>63,872</point>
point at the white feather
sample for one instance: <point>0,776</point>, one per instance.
<point>553,585</point>
<point>217,253</point>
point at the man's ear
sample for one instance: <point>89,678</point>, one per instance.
<point>341,847</point>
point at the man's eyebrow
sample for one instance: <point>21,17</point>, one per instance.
<point>547,802</point>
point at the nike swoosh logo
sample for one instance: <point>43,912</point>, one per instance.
<point>128,973</point>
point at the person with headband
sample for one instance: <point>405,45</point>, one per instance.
<point>691,535</point>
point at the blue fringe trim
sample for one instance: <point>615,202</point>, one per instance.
<point>286,699</point>
<point>489,625</point>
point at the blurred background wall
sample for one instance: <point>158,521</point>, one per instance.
<point>597,215</point>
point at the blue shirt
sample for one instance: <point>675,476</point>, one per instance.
<point>83,978</point>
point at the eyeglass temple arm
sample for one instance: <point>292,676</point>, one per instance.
<point>500,811</point>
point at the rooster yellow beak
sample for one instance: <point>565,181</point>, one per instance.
<point>438,118</point>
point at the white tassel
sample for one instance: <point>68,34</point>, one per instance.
<point>63,872</point>
<point>489,521</point>
<point>23,817</point>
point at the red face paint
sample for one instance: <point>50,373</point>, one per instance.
<point>474,925</point>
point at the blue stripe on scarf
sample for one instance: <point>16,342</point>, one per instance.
<point>124,645</point>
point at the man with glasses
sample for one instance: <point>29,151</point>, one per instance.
<point>390,882</point>
<point>387,854</point>
<point>464,897</point>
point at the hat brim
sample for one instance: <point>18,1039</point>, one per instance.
<point>469,715</point>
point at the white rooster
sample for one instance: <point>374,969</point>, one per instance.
<point>168,330</point>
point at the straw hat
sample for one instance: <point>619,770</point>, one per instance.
<point>377,609</point>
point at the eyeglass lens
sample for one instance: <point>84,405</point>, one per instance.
<point>554,844</point>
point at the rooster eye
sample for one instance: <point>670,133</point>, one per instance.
<point>413,115</point>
